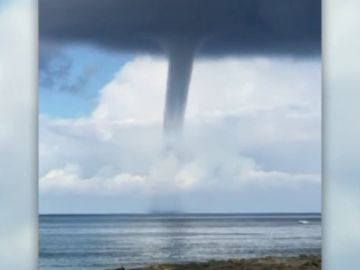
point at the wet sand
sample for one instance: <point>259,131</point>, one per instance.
<point>301,262</point>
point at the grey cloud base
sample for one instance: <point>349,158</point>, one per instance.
<point>224,27</point>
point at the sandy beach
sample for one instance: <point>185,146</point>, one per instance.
<point>302,262</point>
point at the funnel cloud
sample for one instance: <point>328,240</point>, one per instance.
<point>181,56</point>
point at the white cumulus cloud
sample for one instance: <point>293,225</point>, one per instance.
<point>238,110</point>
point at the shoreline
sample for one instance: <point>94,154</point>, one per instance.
<point>301,262</point>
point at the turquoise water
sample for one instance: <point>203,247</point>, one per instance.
<point>106,241</point>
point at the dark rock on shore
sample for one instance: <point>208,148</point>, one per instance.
<point>302,262</point>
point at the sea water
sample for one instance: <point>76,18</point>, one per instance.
<point>107,241</point>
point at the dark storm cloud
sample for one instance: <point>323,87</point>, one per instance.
<point>221,26</point>
<point>56,68</point>
<point>54,65</point>
<point>183,29</point>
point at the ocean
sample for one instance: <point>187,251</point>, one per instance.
<point>92,242</point>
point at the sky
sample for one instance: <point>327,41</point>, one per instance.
<point>251,139</point>
<point>252,135</point>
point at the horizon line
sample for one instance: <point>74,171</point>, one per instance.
<point>183,213</point>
